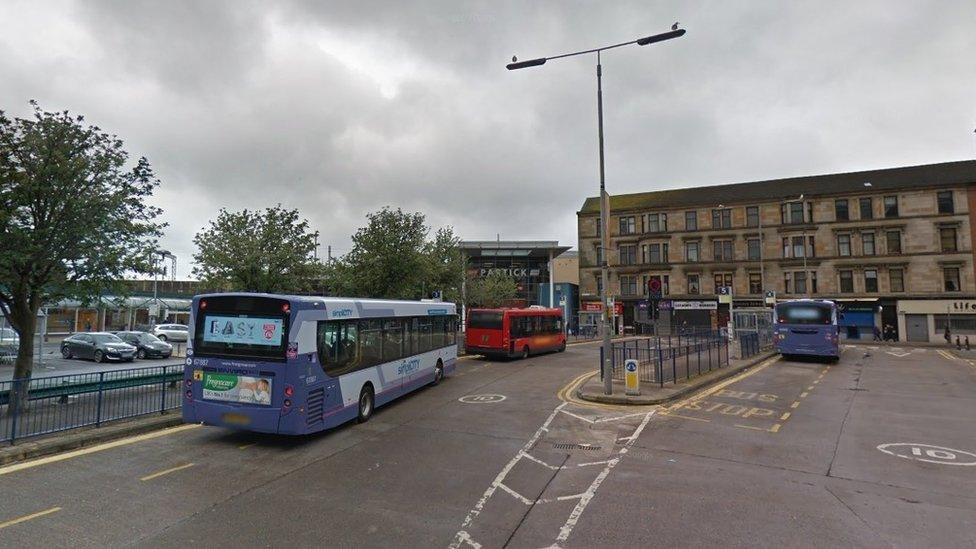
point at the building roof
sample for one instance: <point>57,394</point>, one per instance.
<point>909,177</point>
<point>512,248</point>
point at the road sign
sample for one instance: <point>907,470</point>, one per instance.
<point>631,378</point>
<point>771,297</point>
<point>654,286</point>
<point>725,294</point>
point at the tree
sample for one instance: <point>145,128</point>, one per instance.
<point>392,258</point>
<point>491,291</point>
<point>271,251</point>
<point>73,219</point>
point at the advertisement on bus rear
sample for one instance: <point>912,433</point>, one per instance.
<point>237,388</point>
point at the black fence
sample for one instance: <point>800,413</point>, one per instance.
<point>749,344</point>
<point>669,359</point>
<point>60,403</point>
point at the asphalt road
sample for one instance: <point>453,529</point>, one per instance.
<point>786,454</point>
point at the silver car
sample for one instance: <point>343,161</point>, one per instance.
<point>171,332</point>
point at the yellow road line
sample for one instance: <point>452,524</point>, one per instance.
<point>795,404</point>
<point>726,383</point>
<point>775,428</point>
<point>804,394</point>
<point>672,414</point>
<point>92,449</point>
<point>785,416</point>
<point>245,446</point>
<point>29,517</point>
<point>167,471</point>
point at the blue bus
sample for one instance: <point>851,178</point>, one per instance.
<point>297,365</point>
<point>807,327</point>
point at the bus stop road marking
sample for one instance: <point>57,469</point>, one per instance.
<point>26,518</point>
<point>167,471</point>
<point>246,446</point>
<point>97,448</point>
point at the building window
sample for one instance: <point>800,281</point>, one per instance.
<point>787,282</point>
<point>844,245</point>
<point>628,285</point>
<point>599,284</point>
<point>658,253</point>
<point>657,223</point>
<point>691,251</point>
<point>867,208</point>
<point>891,206</point>
<point>951,277</point>
<point>841,212</point>
<point>894,241</point>
<point>896,280</point>
<point>792,213</point>
<point>694,284</point>
<point>628,254</point>
<point>871,280</point>
<point>867,243</point>
<point>846,282</point>
<point>797,246</point>
<point>813,281</point>
<point>722,218</point>
<point>663,281</point>
<point>628,225</point>
<point>599,254</point>
<point>753,251</point>
<point>946,205</point>
<point>722,250</point>
<point>755,283</point>
<point>948,237</point>
<point>691,221</point>
<point>752,216</point>
<point>800,282</point>
<point>722,279</point>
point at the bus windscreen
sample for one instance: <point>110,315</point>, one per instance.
<point>485,320</point>
<point>803,314</point>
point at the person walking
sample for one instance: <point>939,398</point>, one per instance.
<point>948,336</point>
<point>877,333</point>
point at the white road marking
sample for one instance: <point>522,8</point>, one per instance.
<point>462,536</point>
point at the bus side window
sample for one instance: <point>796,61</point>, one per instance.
<point>437,331</point>
<point>371,342</point>
<point>337,347</point>
<point>392,339</point>
<point>414,335</point>
<point>424,335</point>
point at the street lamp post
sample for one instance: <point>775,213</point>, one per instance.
<point>675,32</point>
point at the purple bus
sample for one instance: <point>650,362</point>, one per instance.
<point>296,365</point>
<point>807,327</point>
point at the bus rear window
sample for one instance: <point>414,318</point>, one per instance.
<point>485,320</point>
<point>803,314</point>
<point>247,327</point>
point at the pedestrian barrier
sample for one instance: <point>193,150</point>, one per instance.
<point>669,359</point>
<point>749,344</point>
<point>59,403</point>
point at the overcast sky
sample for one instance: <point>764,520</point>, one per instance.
<point>340,108</point>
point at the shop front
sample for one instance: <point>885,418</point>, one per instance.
<point>686,314</point>
<point>926,320</point>
<point>589,317</point>
<point>856,319</point>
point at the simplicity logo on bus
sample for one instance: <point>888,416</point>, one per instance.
<point>409,366</point>
<point>341,313</point>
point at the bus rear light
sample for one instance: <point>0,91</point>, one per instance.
<point>285,308</point>
<point>289,390</point>
<point>189,395</point>
<point>203,303</point>
<point>188,382</point>
<point>287,403</point>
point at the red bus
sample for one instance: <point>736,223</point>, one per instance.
<point>515,332</point>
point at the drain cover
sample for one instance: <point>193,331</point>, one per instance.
<point>574,446</point>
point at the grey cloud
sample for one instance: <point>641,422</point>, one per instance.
<point>339,108</point>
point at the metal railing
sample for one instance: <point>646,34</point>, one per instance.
<point>669,359</point>
<point>750,344</point>
<point>59,403</point>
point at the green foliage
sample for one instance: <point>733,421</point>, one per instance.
<point>492,291</point>
<point>73,217</point>
<point>392,258</point>
<point>251,251</point>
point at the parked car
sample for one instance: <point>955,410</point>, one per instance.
<point>98,346</point>
<point>146,344</point>
<point>9,338</point>
<point>171,332</point>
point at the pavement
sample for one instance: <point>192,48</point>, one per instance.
<point>873,451</point>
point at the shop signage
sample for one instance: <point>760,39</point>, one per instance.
<point>937,306</point>
<point>695,305</point>
<point>514,272</point>
<point>594,307</point>
<point>664,305</point>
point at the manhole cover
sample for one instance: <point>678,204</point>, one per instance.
<point>574,446</point>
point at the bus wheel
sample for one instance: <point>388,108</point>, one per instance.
<point>365,404</point>
<point>525,352</point>
<point>438,373</point>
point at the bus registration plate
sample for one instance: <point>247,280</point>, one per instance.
<point>236,419</point>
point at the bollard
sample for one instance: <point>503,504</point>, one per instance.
<point>631,378</point>
<point>958,345</point>
<point>967,343</point>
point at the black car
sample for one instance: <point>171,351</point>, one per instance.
<point>146,344</point>
<point>98,346</point>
